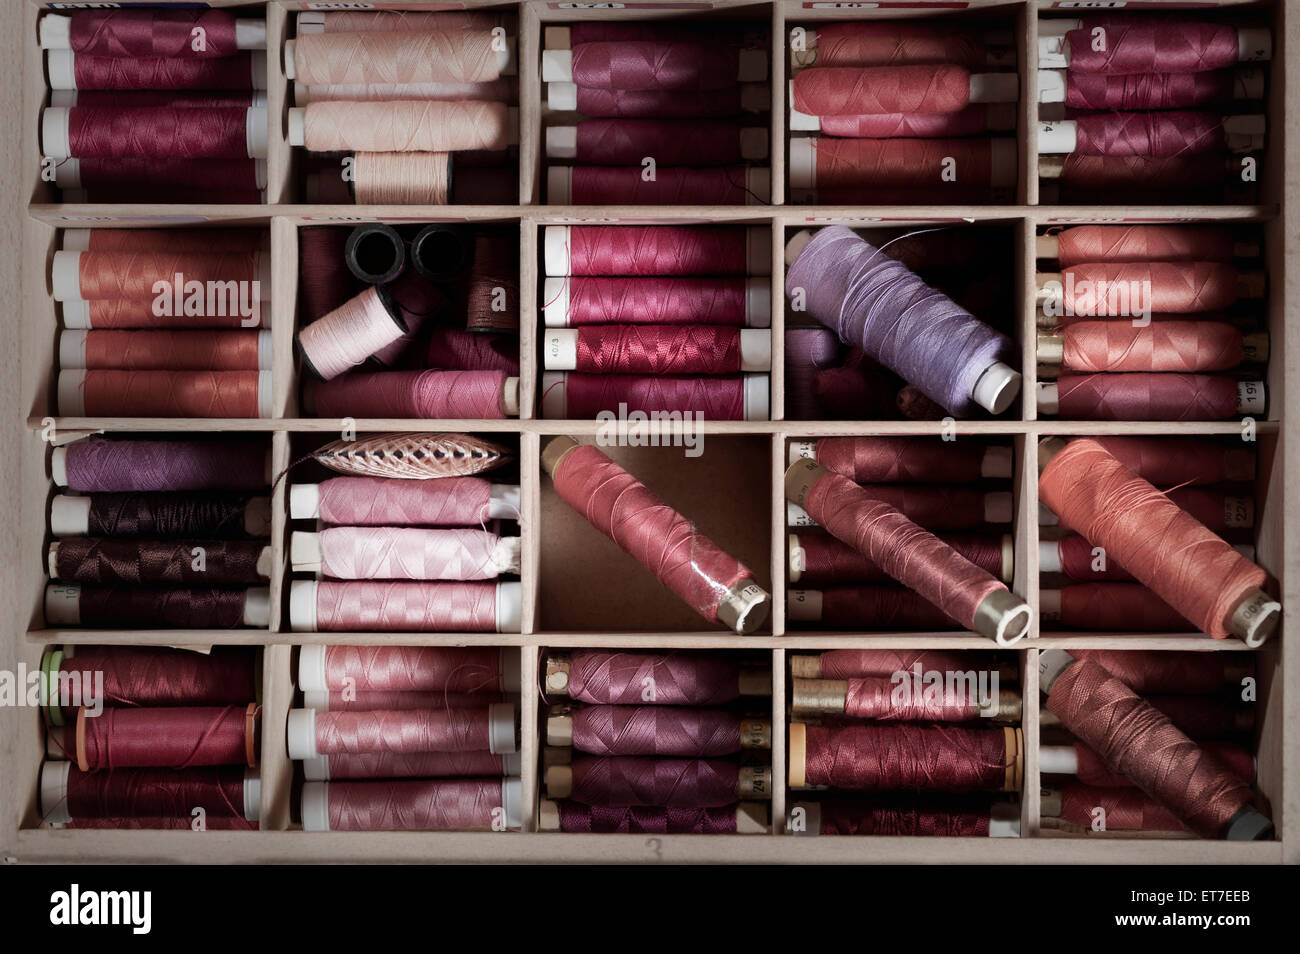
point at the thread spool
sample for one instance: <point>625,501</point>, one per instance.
<point>1221,512</point>
<point>877,608</point>
<point>672,185</point>
<point>324,700</point>
<point>504,89</point>
<point>659,300</point>
<point>375,253</point>
<point>403,126</point>
<point>877,460</point>
<point>1127,92</point>
<point>737,397</point>
<point>1173,177</point>
<point>382,502</point>
<point>899,42</point>
<point>656,730</point>
<point>905,88</point>
<point>655,250</point>
<point>740,98</point>
<point>211,516</point>
<point>327,606</point>
<point>107,465</point>
<point>168,33</point>
<point>412,805</point>
<point>1110,607</point>
<point>135,676</point>
<point>905,757</point>
<point>124,607</point>
<point>1137,741</point>
<point>226,350</point>
<point>1173,346</point>
<point>1125,809</point>
<point>657,349</point>
<point>933,507</point>
<point>696,142</point>
<point>175,738</point>
<point>668,64</point>
<point>440,252</point>
<point>836,260</point>
<point>312,734</point>
<point>675,783</point>
<point>86,132</point>
<point>127,313</point>
<point>972,120</point>
<point>861,663</point>
<point>396,21</point>
<point>425,56</point>
<point>928,815</point>
<point>404,553</point>
<point>204,562</point>
<point>1142,243</point>
<point>816,559</point>
<point>492,299</point>
<point>1179,673</point>
<point>807,351</point>
<point>407,669</point>
<point>206,179</point>
<point>1203,718</point>
<point>416,394</point>
<point>226,792</point>
<point>850,167</point>
<point>1152,134</point>
<point>1079,560</point>
<point>129,275</point>
<point>878,698</point>
<point>473,351</point>
<point>1190,568</point>
<point>350,333</point>
<point>716,585</point>
<point>680,679</point>
<point>381,765</point>
<point>1139,396</point>
<point>1138,46</point>
<point>942,576</point>
<point>563,815</point>
<point>208,394</point>
<point>1123,289</point>
<point>68,70</point>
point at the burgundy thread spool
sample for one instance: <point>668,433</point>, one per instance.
<point>570,816</point>
<point>412,805</point>
<point>677,679</point>
<point>656,730</point>
<point>174,738</point>
<point>226,791</point>
<point>903,816</point>
<point>678,783</point>
<point>312,733</point>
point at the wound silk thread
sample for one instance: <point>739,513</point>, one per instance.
<point>680,679</point>
<point>406,607</point>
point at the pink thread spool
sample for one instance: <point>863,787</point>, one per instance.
<point>653,250</point>
<point>656,300</point>
<point>375,700</point>
<point>672,679</point>
<point>885,608</point>
<point>887,460</point>
<point>351,333</point>
<point>657,349</point>
<point>380,765</point>
<point>312,733</point>
<point>412,805</point>
<point>672,185</point>
<point>404,553</point>
<point>407,669</point>
<point>817,559</point>
<point>733,397</point>
<point>444,395</point>
<point>394,502</point>
<point>353,606</point>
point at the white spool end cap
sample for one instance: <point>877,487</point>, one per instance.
<point>561,142</point>
<point>76,314</point>
<point>803,606</point>
<point>555,242</point>
<point>559,185</point>
<point>1051,86</point>
<point>61,68</point>
<point>305,552</point>
<point>311,22</point>
<point>758,183</point>
<point>560,349</point>
<point>316,699</point>
<point>796,557</point>
<point>758,303</point>
<point>802,450</point>
<point>290,66</point>
<point>755,350</point>
<point>257,606</point>
<point>69,516</point>
<point>548,815</point>
<point>803,122</point>
<point>557,66</point>
<point>72,394</point>
<point>503,502</point>
<point>315,806</point>
<point>753,143</point>
<point>59,468</point>
<point>65,276</point>
<point>1254,44</point>
<point>1053,53</point>
<point>803,163</point>
<point>52,561</point>
<point>512,800</point>
<point>998,462</point>
<point>1004,821</point>
<point>996,387</point>
<point>796,516</point>
<point>1049,556</point>
<point>256,132</point>
<point>317,769</point>
<point>1252,397</point>
<point>1048,398</point>
<point>1057,138</point>
<point>555,302</point>
<point>54,792</point>
<point>250,34</point>
<point>72,349</point>
<point>311,669</point>
<point>300,731</point>
<point>1058,760</point>
<point>257,68</point>
<point>510,607</point>
<point>562,97</point>
<point>76,240</point>
<point>757,404</point>
<point>55,32</point>
<point>302,606</point>
<point>62,604</point>
<point>67,174</point>
<point>994,87</point>
<point>501,728</point>
<point>297,128</point>
<point>264,394</point>
<point>553,404</point>
<point>304,501</point>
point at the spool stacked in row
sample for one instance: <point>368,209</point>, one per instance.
<point>407,738</point>
<point>955,490</point>
<point>908,112</point>
<point>1148,109</point>
<point>665,744</point>
<point>160,534</point>
<point>656,319</point>
<point>163,323</point>
<point>406,108</point>
<point>155,105</point>
<point>905,743</point>
<point>151,738</point>
<point>1151,323</point>
<point>656,114</point>
<point>417,322</point>
<point>408,540</point>
<point>1208,696</point>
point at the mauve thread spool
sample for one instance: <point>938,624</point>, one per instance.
<point>852,91</point>
<point>1155,46</point>
<point>244,70</point>
<point>1173,178</point>
<point>1221,512</point>
<point>912,817</point>
<point>818,559</point>
<point>393,502</point>
<point>897,43</point>
<point>668,679</point>
<point>807,351</point>
<point>140,174</point>
<point>1089,766</point>
<point>888,460</point>
<point>214,516</point>
<point>1111,607</point>
<point>411,805</point>
<point>636,780</point>
<point>711,581</point>
<point>1164,346</point>
<point>312,733</point>
<point>572,301</point>
<point>859,663</point>
<point>324,283</point>
<point>973,120</point>
<point>200,241</point>
<point>847,168</point>
<point>1173,672</point>
<point>188,99</point>
<point>1138,243</point>
<point>221,791</point>
<point>935,507</point>
<point>672,64</point>
<point>492,299</point>
<point>375,253</point>
<point>101,464</point>
<point>404,669</point>
<point>879,698</point>
<point>1137,741</point>
<point>178,737</point>
<point>160,824</point>
<point>473,351</point>
<point>416,394</point>
<point>870,608</point>
<point>440,252</point>
<point>85,132</point>
<point>695,349</point>
<point>414,765</point>
<point>669,104</point>
<point>693,142</point>
<point>403,607</point>
<point>656,730</point>
<point>1143,396</point>
<point>906,758</point>
<point>673,185</point>
<point>570,816</point>
<point>654,250</point>
<point>730,397</point>
<point>375,700</point>
<point>1121,809</point>
<point>1202,717</point>
<point>202,562</point>
<point>168,33</point>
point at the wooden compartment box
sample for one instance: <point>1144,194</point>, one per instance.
<point>575,594</point>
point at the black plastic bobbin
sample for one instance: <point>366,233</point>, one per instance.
<point>375,253</point>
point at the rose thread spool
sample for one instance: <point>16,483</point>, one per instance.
<point>680,679</point>
<point>351,333</point>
